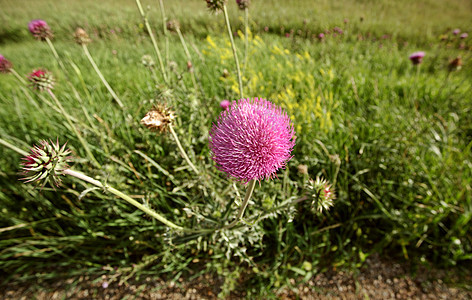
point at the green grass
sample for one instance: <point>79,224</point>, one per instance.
<point>396,140</point>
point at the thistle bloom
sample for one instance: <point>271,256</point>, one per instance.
<point>5,65</point>
<point>224,104</point>
<point>252,139</point>
<point>417,57</point>
<point>41,80</point>
<point>46,161</point>
<point>464,35</point>
<point>40,30</point>
<point>456,31</point>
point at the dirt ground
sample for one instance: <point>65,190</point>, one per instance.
<point>378,279</point>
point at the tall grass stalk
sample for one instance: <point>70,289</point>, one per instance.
<point>102,78</point>
<point>153,39</point>
<point>233,47</point>
<point>189,58</point>
<point>182,151</point>
<point>166,32</point>
<point>74,129</point>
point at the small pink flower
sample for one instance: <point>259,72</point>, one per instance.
<point>5,65</point>
<point>252,139</point>
<point>321,36</point>
<point>417,57</point>
<point>456,31</point>
<point>224,104</point>
<point>105,285</point>
<point>287,35</point>
<point>464,35</point>
<point>40,29</point>
<point>266,29</point>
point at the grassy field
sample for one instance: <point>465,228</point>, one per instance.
<point>393,138</point>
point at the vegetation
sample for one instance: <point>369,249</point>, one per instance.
<point>393,138</point>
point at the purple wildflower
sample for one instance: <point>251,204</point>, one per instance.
<point>252,139</point>
<point>40,29</point>
<point>464,35</point>
<point>224,104</point>
<point>5,65</point>
<point>456,31</point>
<point>243,4</point>
<point>321,36</point>
<point>417,57</point>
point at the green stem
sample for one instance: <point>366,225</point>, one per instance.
<point>250,189</point>
<point>127,198</point>
<point>56,56</point>
<point>189,58</point>
<point>233,46</point>
<point>20,79</point>
<point>166,33</point>
<point>97,70</point>
<point>77,133</point>
<point>154,43</point>
<point>14,148</point>
<point>246,34</point>
<point>182,151</point>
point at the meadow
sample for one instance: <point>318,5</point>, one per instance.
<point>393,139</point>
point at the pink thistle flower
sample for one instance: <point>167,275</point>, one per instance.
<point>46,162</point>
<point>40,30</point>
<point>322,194</point>
<point>321,36</point>
<point>252,139</point>
<point>456,31</point>
<point>5,65</point>
<point>464,35</point>
<point>225,104</point>
<point>417,57</point>
<point>41,80</point>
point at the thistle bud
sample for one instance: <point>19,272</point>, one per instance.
<point>173,25</point>
<point>455,64</point>
<point>81,37</point>
<point>41,80</point>
<point>46,162</point>
<point>5,65</point>
<point>216,6</point>
<point>158,118</point>
<point>322,194</point>
<point>189,66</point>
<point>40,30</point>
<point>243,4</point>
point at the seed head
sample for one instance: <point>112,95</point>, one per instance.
<point>81,36</point>
<point>147,61</point>
<point>252,139</point>
<point>41,80</point>
<point>322,194</point>
<point>46,162</point>
<point>417,57</point>
<point>216,6</point>
<point>158,118</point>
<point>5,65</point>
<point>173,25</point>
<point>40,30</point>
<point>243,4</point>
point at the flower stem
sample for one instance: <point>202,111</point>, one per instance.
<point>125,197</point>
<point>56,56</point>
<point>14,148</point>
<point>77,133</point>
<point>233,46</point>
<point>250,189</point>
<point>166,33</point>
<point>154,43</point>
<point>182,151</point>
<point>189,58</point>
<point>246,36</point>
<point>20,79</point>
<point>97,70</point>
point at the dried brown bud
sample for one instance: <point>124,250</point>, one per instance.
<point>173,25</point>
<point>81,37</point>
<point>158,118</point>
<point>455,64</point>
<point>302,169</point>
